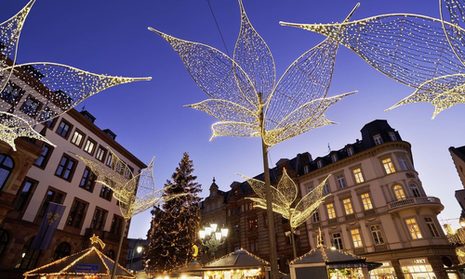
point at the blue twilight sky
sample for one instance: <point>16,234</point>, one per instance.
<point>149,118</point>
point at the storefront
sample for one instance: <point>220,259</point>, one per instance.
<point>418,268</point>
<point>386,271</point>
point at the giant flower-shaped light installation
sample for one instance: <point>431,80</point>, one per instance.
<point>38,92</point>
<point>286,203</point>
<point>425,53</point>
<point>246,99</point>
<point>135,192</point>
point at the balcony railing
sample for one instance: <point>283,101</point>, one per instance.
<point>414,201</point>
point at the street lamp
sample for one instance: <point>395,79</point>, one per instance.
<point>212,237</point>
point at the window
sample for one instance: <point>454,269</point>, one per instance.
<point>101,152</point>
<point>306,169</point>
<point>378,139</point>
<point>98,221</point>
<point>22,198</point>
<point>326,188</point>
<point>77,138</point>
<point>414,189</point>
<point>52,195</point>
<point>4,239</point>
<point>31,106</point>
<point>63,250</point>
<point>6,167</point>
<point>331,211</point>
<point>29,257</point>
<point>64,128</point>
<point>12,93</point>
<point>66,167</point>
<point>334,157</point>
<point>356,238</point>
<point>253,245</point>
<point>341,181</point>
<point>337,241</point>
<point>89,147</point>
<point>116,224</point>
<point>377,235</point>
<point>399,192</point>
<point>350,151</point>
<point>432,227</point>
<point>309,186</point>
<point>358,175</point>
<point>252,223</point>
<point>392,136</point>
<point>109,160</point>
<point>88,180</point>
<point>48,117</point>
<point>413,228</point>
<point>319,164</point>
<point>388,166</point>
<point>45,154</point>
<point>316,216</point>
<point>348,206</point>
<point>106,193</point>
<point>77,214</point>
<point>366,201</point>
<point>403,163</point>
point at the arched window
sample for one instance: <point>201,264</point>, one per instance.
<point>6,166</point>
<point>399,192</point>
<point>63,249</point>
<point>4,238</point>
<point>414,189</point>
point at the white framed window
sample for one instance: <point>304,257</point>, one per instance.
<point>356,238</point>
<point>414,189</point>
<point>413,228</point>
<point>101,152</point>
<point>366,201</point>
<point>337,241</point>
<point>89,147</point>
<point>399,192</point>
<point>331,211</point>
<point>319,164</point>
<point>358,175</point>
<point>377,235</point>
<point>334,157</point>
<point>77,138</point>
<point>392,136</point>
<point>378,139</point>
<point>348,206</point>
<point>388,166</point>
<point>403,163</point>
<point>316,216</point>
<point>432,227</point>
<point>350,151</point>
<point>341,181</point>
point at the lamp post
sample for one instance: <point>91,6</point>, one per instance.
<point>213,237</point>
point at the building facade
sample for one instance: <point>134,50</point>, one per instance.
<point>377,209</point>
<point>458,157</point>
<point>39,174</point>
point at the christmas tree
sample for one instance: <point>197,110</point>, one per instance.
<point>174,227</point>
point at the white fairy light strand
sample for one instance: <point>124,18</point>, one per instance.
<point>419,51</point>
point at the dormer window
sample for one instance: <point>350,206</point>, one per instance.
<point>319,164</point>
<point>378,139</point>
<point>392,136</point>
<point>350,151</point>
<point>305,169</point>
<point>334,157</point>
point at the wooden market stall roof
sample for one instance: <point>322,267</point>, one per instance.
<point>236,260</point>
<point>90,261</point>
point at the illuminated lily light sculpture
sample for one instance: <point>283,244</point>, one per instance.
<point>285,201</point>
<point>135,192</point>
<point>248,102</point>
<point>425,53</point>
<point>34,93</point>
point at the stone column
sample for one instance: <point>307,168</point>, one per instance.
<point>438,267</point>
<point>397,269</point>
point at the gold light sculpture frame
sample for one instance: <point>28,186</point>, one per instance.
<point>286,202</point>
<point>135,193</point>
<point>248,101</point>
<point>422,52</point>
<point>38,92</point>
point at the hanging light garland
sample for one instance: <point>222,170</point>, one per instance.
<point>422,52</point>
<point>38,92</point>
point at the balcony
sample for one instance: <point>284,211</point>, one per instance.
<point>416,201</point>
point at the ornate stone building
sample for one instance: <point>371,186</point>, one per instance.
<point>38,174</point>
<point>378,208</point>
